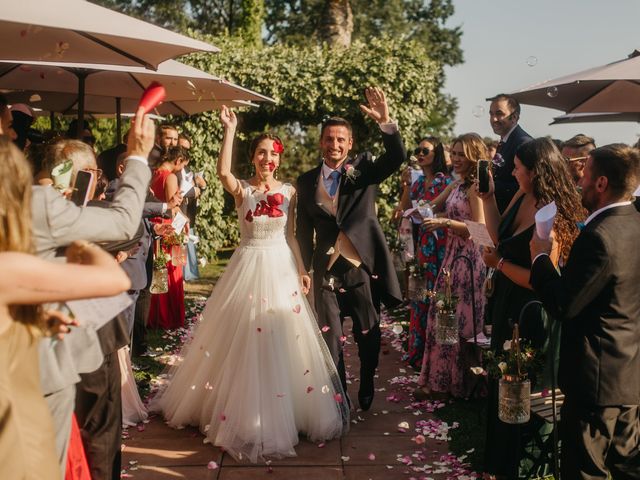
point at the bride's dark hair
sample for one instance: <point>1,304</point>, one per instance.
<point>552,182</point>
<point>256,141</point>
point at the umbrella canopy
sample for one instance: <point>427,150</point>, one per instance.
<point>54,87</point>
<point>614,87</point>
<point>596,117</point>
<point>79,31</point>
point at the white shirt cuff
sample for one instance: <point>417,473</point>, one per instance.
<point>538,256</point>
<point>139,158</point>
<point>389,128</point>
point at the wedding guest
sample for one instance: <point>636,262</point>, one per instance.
<point>444,368</point>
<point>56,223</point>
<point>22,116</point>
<point>167,309</point>
<point>575,151</point>
<point>430,245</point>
<point>6,119</point>
<point>504,115</point>
<point>27,439</point>
<point>492,147</point>
<point>542,177</point>
<point>596,300</point>
<point>189,208</point>
<point>167,136</point>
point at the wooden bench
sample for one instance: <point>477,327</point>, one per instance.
<point>542,406</point>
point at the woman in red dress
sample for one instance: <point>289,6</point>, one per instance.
<point>167,309</point>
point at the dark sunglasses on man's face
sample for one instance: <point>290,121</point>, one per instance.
<point>424,151</point>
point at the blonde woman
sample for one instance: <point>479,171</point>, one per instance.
<point>27,447</point>
<point>444,370</point>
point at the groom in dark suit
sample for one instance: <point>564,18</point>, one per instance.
<point>341,240</point>
<point>598,302</point>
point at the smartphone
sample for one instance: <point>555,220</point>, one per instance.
<point>83,187</point>
<point>483,176</point>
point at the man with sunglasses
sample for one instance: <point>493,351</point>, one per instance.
<point>504,114</point>
<point>575,151</point>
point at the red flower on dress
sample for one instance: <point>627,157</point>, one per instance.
<point>268,207</point>
<point>278,147</point>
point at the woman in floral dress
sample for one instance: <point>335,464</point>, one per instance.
<point>430,245</point>
<point>445,369</point>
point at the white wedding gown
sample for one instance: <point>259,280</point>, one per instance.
<point>257,371</point>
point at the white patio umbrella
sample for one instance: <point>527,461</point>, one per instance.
<point>596,117</point>
<point>614,88</point>
<point>81,32</point>
<point>113,89</point>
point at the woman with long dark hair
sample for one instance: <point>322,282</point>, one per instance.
<point>543,177</point>
<point>429,245</point>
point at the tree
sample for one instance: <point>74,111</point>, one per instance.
<point>336,23</point>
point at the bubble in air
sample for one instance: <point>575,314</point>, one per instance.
<point>552,92</point>
<point>532,61</point>
<point>478,111</point>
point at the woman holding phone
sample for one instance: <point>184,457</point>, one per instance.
<point>542,177</point>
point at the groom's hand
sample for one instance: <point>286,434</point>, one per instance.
<point>378,109</point>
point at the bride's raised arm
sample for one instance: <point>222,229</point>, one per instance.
<point>230,183</point>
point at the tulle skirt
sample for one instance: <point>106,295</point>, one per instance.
<point>133,410</point>
<point>256,371</point>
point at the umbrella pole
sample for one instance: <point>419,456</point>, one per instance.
<point>82,76</point>
<point>118,120</point>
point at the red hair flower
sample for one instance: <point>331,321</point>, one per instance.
<point>277,146</point>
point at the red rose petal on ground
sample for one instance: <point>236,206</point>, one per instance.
<point>310,389</point>
<point>223,417</point>
<point>338,397</point>
<point>259,329</point>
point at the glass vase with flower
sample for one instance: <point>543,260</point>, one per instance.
<point>446,325</point>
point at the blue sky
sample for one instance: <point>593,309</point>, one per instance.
<point>564,36</point>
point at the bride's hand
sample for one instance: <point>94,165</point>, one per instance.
<point>306,283</point>
<point>228,118</point>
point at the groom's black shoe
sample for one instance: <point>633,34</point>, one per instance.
<point>365,394</point>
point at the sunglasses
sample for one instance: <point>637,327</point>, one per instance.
<point>424,151</point>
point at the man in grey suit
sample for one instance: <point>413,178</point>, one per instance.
<point>56,223</point>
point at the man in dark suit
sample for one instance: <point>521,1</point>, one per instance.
<point>596,298</point>
<point>340,237</point>
<point>504,114</point>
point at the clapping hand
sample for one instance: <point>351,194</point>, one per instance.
<point>378,109</point>
<point>228,118</point>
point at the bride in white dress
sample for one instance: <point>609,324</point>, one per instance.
<point>257,371</point>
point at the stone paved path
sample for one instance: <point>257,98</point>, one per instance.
<point>375,448</point>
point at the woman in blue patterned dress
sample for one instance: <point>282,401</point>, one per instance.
<point>429,247</point>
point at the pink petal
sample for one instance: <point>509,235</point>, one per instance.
<point>297,309</point>
<point>371,456</point>
<point>223,417</point>
<point>338,397</point>
<point>325,329</point>
<point>212,465</point>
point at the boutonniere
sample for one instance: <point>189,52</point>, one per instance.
<point>351,173</point>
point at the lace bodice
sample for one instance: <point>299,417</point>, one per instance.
<point>263,215</point>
